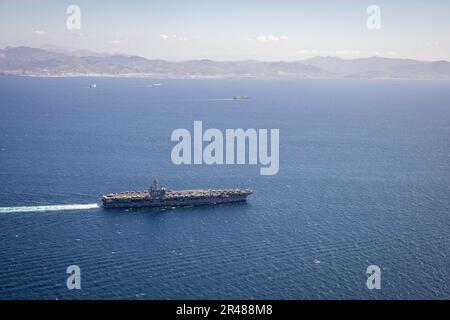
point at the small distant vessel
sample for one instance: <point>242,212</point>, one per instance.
<point>241,98</point>
<point>92,86</point>
<point>158,196</point>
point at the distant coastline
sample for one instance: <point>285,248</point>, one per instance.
<point>159,77</point>
<point>35,62</point>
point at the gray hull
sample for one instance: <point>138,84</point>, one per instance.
<point>175,203</point>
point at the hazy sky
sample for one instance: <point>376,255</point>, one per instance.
<point>233,30</point>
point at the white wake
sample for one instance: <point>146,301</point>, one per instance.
<point>60,207</point>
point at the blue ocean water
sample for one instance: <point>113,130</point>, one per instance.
<point>364,179</point>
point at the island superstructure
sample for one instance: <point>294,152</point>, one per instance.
<point>158,196</point>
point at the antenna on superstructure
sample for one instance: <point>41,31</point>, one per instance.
<point>156,184</point>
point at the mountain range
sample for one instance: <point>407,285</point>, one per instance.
<point>27,61</point>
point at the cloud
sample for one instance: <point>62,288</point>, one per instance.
<point>173,36</point>
<point>269,38</point>
<point>179,38</point>
<point>115,42</point>
<point>392,53</point>
<point>324,52</point>
<point>344,52</point>
<point>40,32</point>
<point>303,51</point>
<point>428,43</point>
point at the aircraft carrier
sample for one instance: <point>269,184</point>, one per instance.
<point>158,196</point>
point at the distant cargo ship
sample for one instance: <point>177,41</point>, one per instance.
<point>158,196</point>
<point>241,98</point>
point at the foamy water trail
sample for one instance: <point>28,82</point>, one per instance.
<point>61,207</point>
